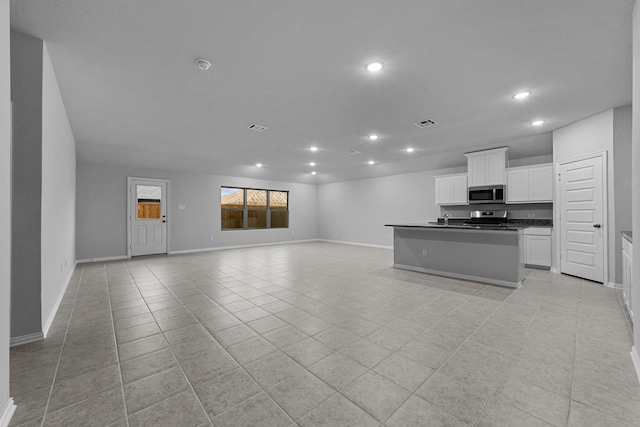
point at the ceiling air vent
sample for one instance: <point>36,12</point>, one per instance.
<point>257,127</point>
<point>353,152</point>
<point>426,123</point>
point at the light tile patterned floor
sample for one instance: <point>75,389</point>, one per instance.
<point>322,334</point>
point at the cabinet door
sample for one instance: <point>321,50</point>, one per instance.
<point>538,250</point>
<point>494,168</point>
<point>477,170</point>
<point>541,184</point>
<point>518,186</point>
<point>459,190</point>
<point>444,191</point>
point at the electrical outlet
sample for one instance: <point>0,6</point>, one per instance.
<point>424,252</point>
<point>211,238</point>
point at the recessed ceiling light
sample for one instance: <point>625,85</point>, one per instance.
<point>313,148</point>
<point>522,95</point>
<point>371,162</point>
<point>373,137</point>
<point>537,123</point>
<point>374,67</point>
<point>410,150</point>
<point>258,165</point>
<point>312,164</point>
<point>313,173</point>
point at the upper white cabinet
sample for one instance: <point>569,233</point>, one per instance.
<point>530,184</point>
<point>452,189</point>
<point>487,167</point>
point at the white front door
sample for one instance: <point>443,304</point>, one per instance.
<point>582,219</point>
<point>148,216</point>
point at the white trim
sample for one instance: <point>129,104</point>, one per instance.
<point>614,285</point>
<point>355,243</point>
<point>222,248</point>
<point>7,413</point>
<point>47,325</point>
<point>554,270</point>
<point>635,358</point>
<point>458,276</point>
<point>26,339</point>
<point>102,259</point>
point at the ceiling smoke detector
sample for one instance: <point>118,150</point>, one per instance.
<point>257,127</point>
<point>203,64</point>
<point>426,123</point>
<point>353,152</point>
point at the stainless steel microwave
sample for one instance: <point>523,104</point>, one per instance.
<point>486,194</point>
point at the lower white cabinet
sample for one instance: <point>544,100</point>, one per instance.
<point>452,189</point>
<point>627,256</point>
<point>537,247</point>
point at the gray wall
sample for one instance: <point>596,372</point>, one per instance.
<point>621,178</point>
<point>635,174</point>
<point>101,211</point>
<point>356,211</point>
<point>58,249</point>
<point>5,204</point>
<point>26,168</point>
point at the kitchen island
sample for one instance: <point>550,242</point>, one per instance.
<point>484,254</point>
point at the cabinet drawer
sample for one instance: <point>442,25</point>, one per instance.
<point>536,231</point>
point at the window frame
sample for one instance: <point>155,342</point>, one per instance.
<point>245,209</point>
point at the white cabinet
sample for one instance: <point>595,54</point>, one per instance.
<point>537,247</point>
<point>452,189</point>
<point>530,184</point>
<point>487,167</point>
<point>627,257</point>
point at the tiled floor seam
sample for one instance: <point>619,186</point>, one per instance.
<point>115,340</point>
<point>175,358</point>
<point>229,354</point>
<point>64,340</point>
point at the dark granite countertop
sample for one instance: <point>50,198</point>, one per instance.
<point>453,226</point>
<point>627,235</point>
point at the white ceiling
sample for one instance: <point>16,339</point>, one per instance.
<point>135,96</point>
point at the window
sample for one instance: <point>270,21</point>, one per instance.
<point>252,209</point>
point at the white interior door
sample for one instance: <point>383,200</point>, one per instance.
<point>582,219</point>
<point>148,216</point>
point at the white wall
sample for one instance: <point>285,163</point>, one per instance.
<point>591,135</point>
<point>101,211</point>
<point>635,178</point>
<point>5,210</point>
<point>58,228</point>
<point>622,179</point>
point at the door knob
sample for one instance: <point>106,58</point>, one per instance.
<point>596,226</point>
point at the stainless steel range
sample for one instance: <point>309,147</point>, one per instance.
<point>490,219</point>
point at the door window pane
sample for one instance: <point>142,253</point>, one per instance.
<point>149,200</point>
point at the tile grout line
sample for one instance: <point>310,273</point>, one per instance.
<point>64,341</point>
<point>115,341</point>
<point>222,347</point>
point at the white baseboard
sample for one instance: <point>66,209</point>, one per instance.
<point>47,325</point>
<point>26,339</point>
<point>7,413</point>
<point>355,244</point>
<point>554,270</point>
<point>636,361</point>
<point>613,285</point>
<point>102,259</point>
<point>222,248</point>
